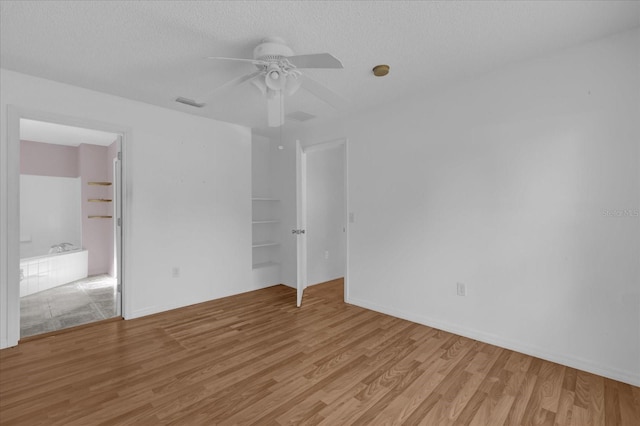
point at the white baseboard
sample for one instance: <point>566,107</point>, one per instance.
<point>150,310</point>
<point>9,343</point>
<point>569,361</point>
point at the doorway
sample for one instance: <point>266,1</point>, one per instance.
<point>322,243</point>
<point>70,252</point>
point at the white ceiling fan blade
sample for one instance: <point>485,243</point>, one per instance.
<point>251,61</point>
<point>317,60</point>
<point>275,108</point>
<point>292,85</point>
<point>233,83</point>
<point>318,89</point>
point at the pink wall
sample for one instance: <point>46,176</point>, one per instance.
<point>92,162</point>
<point>45,159</point>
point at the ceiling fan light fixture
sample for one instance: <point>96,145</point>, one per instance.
<point>275,81</point>
<point>380,70</point>
<point>278,75</point>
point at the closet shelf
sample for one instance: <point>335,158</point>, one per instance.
<point>265,244</point>
<point>265,265</point>
<point>99,183</point>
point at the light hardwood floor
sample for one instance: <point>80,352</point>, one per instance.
<point>257,359</point>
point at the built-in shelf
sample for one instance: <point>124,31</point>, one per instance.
<point>265,265</point>
<point>266,217</point>
<point>99,217</point>
<point>265,244</point>
<point>99,183</point>
<point>99,200</point>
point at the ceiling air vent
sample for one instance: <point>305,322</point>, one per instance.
<point>300,116</point>
<point>189,102</point>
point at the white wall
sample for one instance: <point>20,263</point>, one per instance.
<point>510,184</point>
<point>260,166</point>
<point>49,213</point>
<point>325,214</point>
<point>188,197</point>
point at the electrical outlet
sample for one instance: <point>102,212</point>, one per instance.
<point>175,272</point>
<point>326,254</point>
<point>462,289</point>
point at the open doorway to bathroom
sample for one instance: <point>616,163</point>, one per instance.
<point>69,250</point>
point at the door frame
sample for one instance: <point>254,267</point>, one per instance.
<point>11,255</point>
<point>117,224</point>
<point>301,211</point>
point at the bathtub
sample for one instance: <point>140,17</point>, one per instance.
<point>40,273</point>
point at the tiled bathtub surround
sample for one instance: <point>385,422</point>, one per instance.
<point>80,302</point>
<point>45,272</point>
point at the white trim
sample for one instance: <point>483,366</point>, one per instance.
<point>12,301</point>
<point>160,309</point>
<point>126,212</point>
<point>321,146</point>
<point>150,310</point>
<point>578,363</point>
<point>4,229</point>
<point>10,260</point>
<point>347,225</point>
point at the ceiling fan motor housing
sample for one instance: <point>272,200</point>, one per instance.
<point>272,49</point>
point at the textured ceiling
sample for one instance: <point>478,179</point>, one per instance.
<point>153,51</point>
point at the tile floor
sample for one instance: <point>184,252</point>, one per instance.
<point>80,302</point>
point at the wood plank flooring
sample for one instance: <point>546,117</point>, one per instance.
<point>256,359</point>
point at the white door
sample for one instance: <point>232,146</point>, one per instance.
<point>301,233</point>
<point>301,213</point>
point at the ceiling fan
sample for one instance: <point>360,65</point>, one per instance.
<point>279,74</point>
